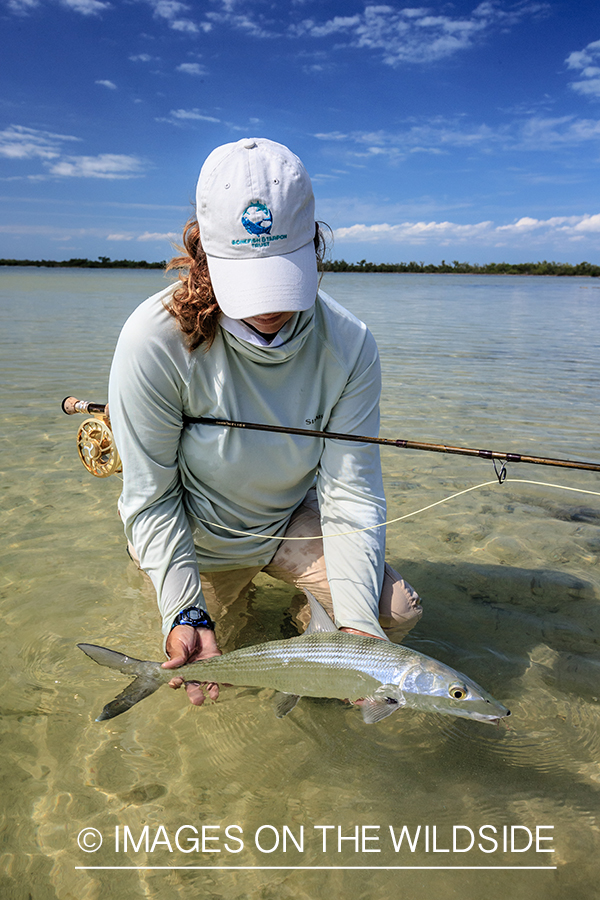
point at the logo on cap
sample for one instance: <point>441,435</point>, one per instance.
<point>257,219</point>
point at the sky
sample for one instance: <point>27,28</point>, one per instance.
<point>449,131</point>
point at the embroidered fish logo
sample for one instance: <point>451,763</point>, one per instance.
<point>257,219</point>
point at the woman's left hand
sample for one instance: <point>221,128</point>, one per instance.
<point>364,633</point>
<point>186,645</point>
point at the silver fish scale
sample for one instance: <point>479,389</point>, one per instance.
<point>332,664</point>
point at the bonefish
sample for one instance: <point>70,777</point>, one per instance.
<point>322,662</point>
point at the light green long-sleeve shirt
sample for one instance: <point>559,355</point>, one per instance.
<point>181,482</point>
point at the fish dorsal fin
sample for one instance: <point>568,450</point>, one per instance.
<point>384,702</point>
<point>284,703</point>
<point>319,620</point>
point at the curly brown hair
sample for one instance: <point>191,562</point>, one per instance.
<point>193,302</point>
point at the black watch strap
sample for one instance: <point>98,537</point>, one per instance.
<point>197,618</point>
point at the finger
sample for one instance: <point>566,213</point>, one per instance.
<point>175,662</point>
<point>211,689</point>
<point>195,693</point>
<point>176,682</point>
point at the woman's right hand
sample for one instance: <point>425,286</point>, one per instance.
<point>186,645</point>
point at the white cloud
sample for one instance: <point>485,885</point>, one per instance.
<point>174,13</point>
<point>332,136</point>
<point>409,35</point>
<point>581,59</point>
<point>106,165</point>
<point>589,224</point>
<point>484,233</point>
<point>323,177</point>
<point>159,236</point>
<point>411,232</point>
<point>590,88</point>
<point>414,35</point>
<point>539,133</point>
<point>192,69</point>
<point>254,27</point>
<point>52,232</point>
<point>524,224</point>
<point>22,7</point>
<point>432,136</point>
<point>334,26</point>
<point>86,7</point>
<point>182,115</point>
<point>440,135</point>
<point>587,62</point>
<point>18,142</point>
<point>107,84</point>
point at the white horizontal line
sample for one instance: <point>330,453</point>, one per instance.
<point>315,868</point>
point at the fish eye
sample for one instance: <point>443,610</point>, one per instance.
<point>457,691</point>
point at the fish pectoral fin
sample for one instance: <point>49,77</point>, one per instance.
<point>284,703</point>
<point>381,705</point>
<point>140,687</point>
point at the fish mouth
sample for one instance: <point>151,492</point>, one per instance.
<point>491,720</point>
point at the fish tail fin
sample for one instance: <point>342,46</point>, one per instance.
<point>147,678</point>
<point>128,665</point>
<point>140,687</point>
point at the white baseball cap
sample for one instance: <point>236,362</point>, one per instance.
<point>256,211</point>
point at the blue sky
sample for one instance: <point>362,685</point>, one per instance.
<point>461,130</point>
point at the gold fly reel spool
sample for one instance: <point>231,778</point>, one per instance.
<point>96,448</point>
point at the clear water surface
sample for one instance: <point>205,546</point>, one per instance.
<point>510,582</point>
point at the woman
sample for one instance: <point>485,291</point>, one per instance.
<point>246,335</point>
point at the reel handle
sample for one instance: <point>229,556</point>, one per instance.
<point>71,406</point>
<point>95,442</point>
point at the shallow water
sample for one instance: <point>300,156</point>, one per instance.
<point>511,587</point>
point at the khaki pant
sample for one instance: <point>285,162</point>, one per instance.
<point>302,563</point>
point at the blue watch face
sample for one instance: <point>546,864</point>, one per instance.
<point>194,615</point>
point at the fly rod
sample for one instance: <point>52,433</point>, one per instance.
<point>71,406</point>
<point>405,445</point>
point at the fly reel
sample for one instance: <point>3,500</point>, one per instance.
<point>96,448</point>
<point>95,441</point>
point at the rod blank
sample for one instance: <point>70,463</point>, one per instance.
<point>71,405</point>
<point>406,445</point>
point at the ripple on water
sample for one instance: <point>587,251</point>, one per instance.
<point>549,731</point>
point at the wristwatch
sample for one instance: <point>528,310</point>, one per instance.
<point>195,617</point>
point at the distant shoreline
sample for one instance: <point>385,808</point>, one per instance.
<point>103,262</point>
<point>582,269</point>
<point>464,268</point>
